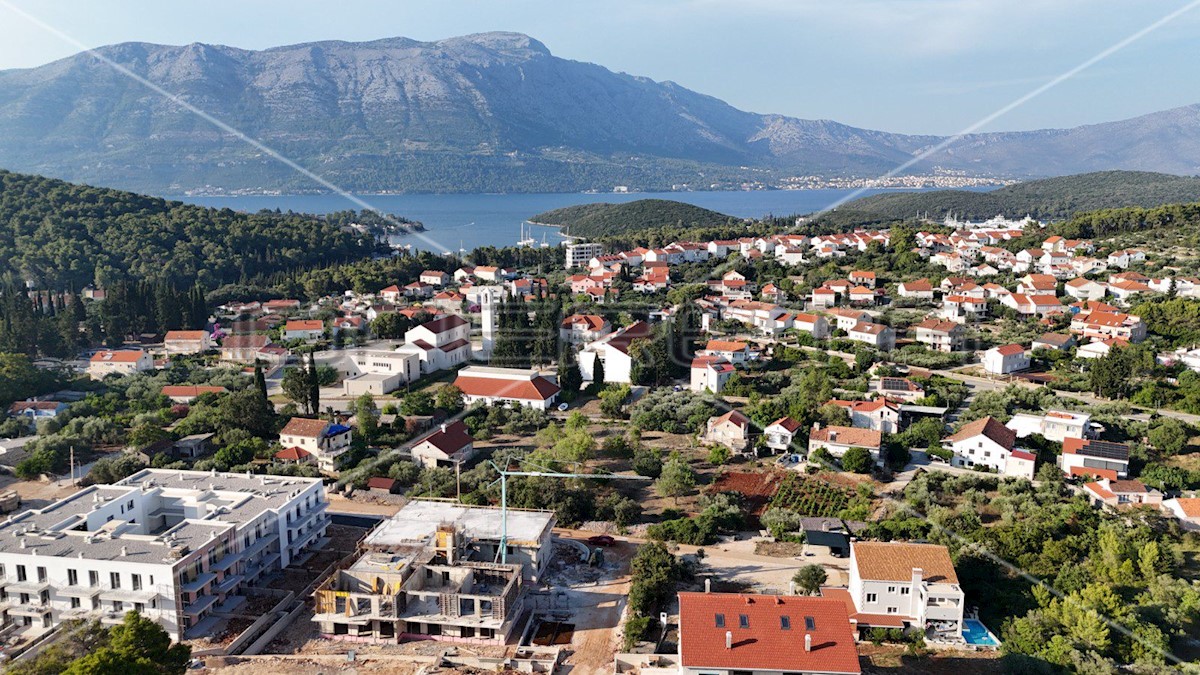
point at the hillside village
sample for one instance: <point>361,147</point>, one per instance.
<point>966,446</point>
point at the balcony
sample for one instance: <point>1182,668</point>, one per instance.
<point>37,609</point>
<point>127,594</point>
<point>77,591</point>
<point>228,584</point>
<point>198,584</point>
<point>31,587</point>
<point>201,605</point>
<point>226,563</point>
<point>259,545</point>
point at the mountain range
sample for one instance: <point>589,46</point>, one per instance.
<point>486,112</point>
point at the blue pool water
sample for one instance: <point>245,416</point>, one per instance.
<point>975,633</point>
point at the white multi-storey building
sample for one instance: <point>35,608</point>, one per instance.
<point>580,254</point>
<point>175,546</point>
<point>915,582</point>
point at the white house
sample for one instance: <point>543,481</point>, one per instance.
<point>877,335</point>
<point>506,386</point>
<point>321,438</point>
<point>379,371</point>
<point>304,329</point>
<point>731,430</point>
<point>613,352</point>
<point>125,362</point>
<point>187,341</point>
<point>1005,359</point>
<point>878,414</point>
<point>581,328</point>
<point>837,440</point>
<point>1055,425</point>
<point>710,373</point>
<point>733,351</point>
<point>1086,289</point>
<point>988,444</point>
<point>913,582</point>
<point>447,446</point>
<point>919,289</point>
<point>778,435</point>
<point>938,335</point>
<point>814,324</point>
<point>440,344</point>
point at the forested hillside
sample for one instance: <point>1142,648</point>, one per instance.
<point>58,235</point>
<point>604,219</point>
<point>1048,199</point>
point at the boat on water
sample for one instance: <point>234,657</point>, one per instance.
<point>526,239</point>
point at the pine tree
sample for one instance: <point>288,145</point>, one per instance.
<point>314,385</point>
<point>260,381</point>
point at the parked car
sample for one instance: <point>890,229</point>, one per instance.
<point>601,540</point>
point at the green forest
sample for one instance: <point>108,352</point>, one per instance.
<point>1047,199</point>
<point>604,219</point>
<point>60,236</point>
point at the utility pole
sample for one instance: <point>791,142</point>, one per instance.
<point>504,474</point>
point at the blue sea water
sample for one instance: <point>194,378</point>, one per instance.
<point>454,221</point>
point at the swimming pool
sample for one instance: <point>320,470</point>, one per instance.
<point>975,633</point>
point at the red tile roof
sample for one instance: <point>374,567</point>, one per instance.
<point>1010,350</point>
<point>989,427</point>
<point>448,322</point>
<point>304,427</point>
<point>536,389</point>
<point>189,335</point>
<point>127,356</point>
<point>848,436</point>
<point>765,644</point>
<point>787,423</point>
<point>895,561</point>
<point>292,454</point>
<point>450,439</point>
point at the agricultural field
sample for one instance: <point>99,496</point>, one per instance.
<point>811,496</point>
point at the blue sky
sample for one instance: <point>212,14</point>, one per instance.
<point>916,66</point>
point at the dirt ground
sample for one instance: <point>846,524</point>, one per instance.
<point>35,493</point>
<point>889,660</point>
<point>596,607</point>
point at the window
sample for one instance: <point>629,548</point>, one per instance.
<point>20,573</point>
<point>41,571</point>
<point>114,579</point>
<point>74,603</point>
<point>137,581</point>
<point>743,621</point>
<point>785,623</point>
<point>810,623</point>
<point>892,610</point>
<point>905,590</point>
<point>72,578</point>
<point>93,578</point>
<point>891,589</point>
<point>871,597</point>
<point>720,621</point>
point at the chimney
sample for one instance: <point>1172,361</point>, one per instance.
<point>832,435</point>
<point>22,542</point>
<point>708,585</point>
<point>807,642</point>
<point>728,639</point>
<point>791,588</point>
<point>917,574</point>
<point>124,552</point>
<point>443,428</point>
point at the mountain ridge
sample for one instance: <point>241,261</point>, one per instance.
<point>484,112</point>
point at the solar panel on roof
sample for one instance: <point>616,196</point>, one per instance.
<point>894,383</point>
<point>1107,450</point>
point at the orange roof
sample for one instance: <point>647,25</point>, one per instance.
<point>1190,506</point>
<point>125,356</point>
<point>536,389</point>
<point>304,427</point>
<point>725,346</point>
<point>1010,350</point>
<point>895,561</point>
<point>850,436</point>
<point>585,321</point>
<point>734,417</point>
<point>450,438</point>
<point>185,335</point>
<point>766,632</point>
<point>304,324</point>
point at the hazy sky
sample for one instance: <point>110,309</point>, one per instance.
<point>917,66</point>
